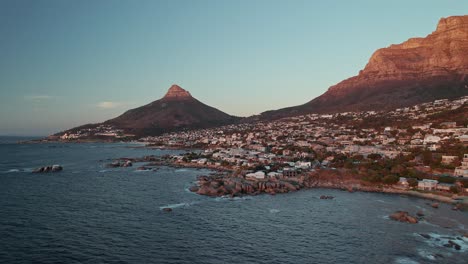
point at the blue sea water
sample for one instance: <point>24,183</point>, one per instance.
<point>92,214</point>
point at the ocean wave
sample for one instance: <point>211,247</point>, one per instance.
<point>426,254</point>
<point>381,201</point>
<point>274,211</point>
<point>441,241</point>
<point>229,198</point>
<point>181,170</point>
<point>17,170</point>
<point>405,260</point>
<point>139,171</point>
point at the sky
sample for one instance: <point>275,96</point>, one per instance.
<point>65,63</point>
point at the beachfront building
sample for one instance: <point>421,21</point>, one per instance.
<point>403,183</point>
<point>449,159</point>
<point>427,185</point>
<point>462,171</point>
<point>256,175</point>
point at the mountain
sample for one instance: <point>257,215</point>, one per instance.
<point>176,111</point>
<point>415,71</point>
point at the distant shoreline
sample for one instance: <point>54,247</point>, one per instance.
<point>320,185</point>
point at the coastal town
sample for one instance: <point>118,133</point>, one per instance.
<point>422,149</point>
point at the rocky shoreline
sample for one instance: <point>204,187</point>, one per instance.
<point>226,182</point>
<point>231,185</point>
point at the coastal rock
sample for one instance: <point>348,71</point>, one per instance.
<point>454,245</point>
<point>194,189</point>
<point>435,205</point>
<point>53,168</point>
<point>325,197</point>
<point>425,236</point>
<point>116,164</point>
<point>403,216</point>
<point>167,209</point>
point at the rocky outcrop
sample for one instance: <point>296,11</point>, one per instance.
<point>52,168</point>
<point>116,164</point>
<point>415,71</point>
<point>403,216</point>
<point>221,185</point>
<point>452,244</point>
<point>177,93</point>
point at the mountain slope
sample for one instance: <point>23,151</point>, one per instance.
<point>415,71</point>
<point>177,110</point>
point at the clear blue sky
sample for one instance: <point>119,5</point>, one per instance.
<point>66,63</point>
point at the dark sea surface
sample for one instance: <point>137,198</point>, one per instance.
<point>92,214</point>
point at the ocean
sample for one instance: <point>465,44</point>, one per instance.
<point>92,214</point>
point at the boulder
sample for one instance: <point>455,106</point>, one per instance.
<point>194,189</point>
<point>403,216</point>
<point>53,168</point>
<point>454,245</point>
<point>56,168</point>
<point>425,236</point>
<point>435,205</point>
<point>167,209</point>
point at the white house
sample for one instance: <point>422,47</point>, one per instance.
<point>431,139</point>
<point>427,184</point>
<point>462,171</point>
<point>256,175</point>
<point>403,182</point>
<point>303,165</point>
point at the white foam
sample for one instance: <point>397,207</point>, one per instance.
<point>138,171</point>
<point>228,198</point>
<point>438,241</point>
<point>426,254</point>
<point>181,170</point>
<point>404,260</point>
<point>274,211</point>
<point>178,205</point>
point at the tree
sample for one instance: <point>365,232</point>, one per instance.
<point>454,189</point>
<point>413,182</point>
<point>390,179</point>
<point>374,156</point>
<point>446,179</point>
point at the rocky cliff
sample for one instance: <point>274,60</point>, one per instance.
<point>415,71</point>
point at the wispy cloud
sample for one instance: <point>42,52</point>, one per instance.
<point>110,104</point>
<point>38,98</point>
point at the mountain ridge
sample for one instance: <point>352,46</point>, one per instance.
<point>415,71</point>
